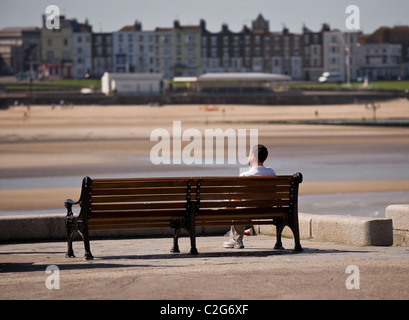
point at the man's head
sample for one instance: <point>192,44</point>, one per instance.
<point>258,154</point>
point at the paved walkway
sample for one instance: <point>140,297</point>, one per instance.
<point>145,269</point>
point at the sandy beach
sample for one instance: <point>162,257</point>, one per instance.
<point>44,152</point>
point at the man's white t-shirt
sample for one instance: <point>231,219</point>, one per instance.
<point>258,171</point>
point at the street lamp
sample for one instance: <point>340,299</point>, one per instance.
<point>347,57</point>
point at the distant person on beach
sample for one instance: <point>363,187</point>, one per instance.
<point>258,154</point>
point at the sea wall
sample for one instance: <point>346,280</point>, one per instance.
<point>359,231</point>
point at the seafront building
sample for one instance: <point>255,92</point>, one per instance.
<point>102,53</point>
<point>177,50</point>
<point>66,51</point>
<point>75,51</point>
<point>133,49</point>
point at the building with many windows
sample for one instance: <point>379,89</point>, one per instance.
<point>20,51</point>
<point>82,52</point>
<point>380,61</point>
<point>177,50</point>
<point>380,39</point>
<point>252,50</point>
<point>102,54</point>
<point>133,49</point>
<point>340,54</point>
<point>66,51</point>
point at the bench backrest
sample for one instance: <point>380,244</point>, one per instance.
<point>155,202</point>
<point>244,200</point>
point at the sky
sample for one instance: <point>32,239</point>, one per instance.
<point>112,15</point>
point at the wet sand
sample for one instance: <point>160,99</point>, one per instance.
<point>63,144</point>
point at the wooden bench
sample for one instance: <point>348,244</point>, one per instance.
<point>184,203</point>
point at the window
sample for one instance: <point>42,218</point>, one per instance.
<point>50,55</point>
<point>190,51</point>
<point>213,41</point>
<point>296,42</point>
<point>226,62</point>
<point>120,59</point>
<point>276,42</point>
<point>190,39</point>
<point>225,52</point>
<point>66,55</point>
<point>257,40</point>
<point>225,40</point>
<point>257,52</point>
<point>213,52</point>
<point>306,39</point>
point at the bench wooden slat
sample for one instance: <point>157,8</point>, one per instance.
<point>139,184</point>
<point>228,223</point>
<point>137,206</point>
<point>242,204</point>
<point>243,196</point>
<point>101,180</point>
<point>232,218</point>
<point>238,212</point>
<point>123,225</point>
<point>246,181</point>
<point>241,189</point>
<point>139,198</point>
<point>111,218</point>
<point>139,191</point>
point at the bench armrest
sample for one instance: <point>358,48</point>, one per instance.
<point>69,203</point>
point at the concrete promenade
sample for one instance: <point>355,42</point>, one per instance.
<point>343,258</point>
<point>144,268</point>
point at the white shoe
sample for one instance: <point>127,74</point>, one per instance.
<point>233,244</point>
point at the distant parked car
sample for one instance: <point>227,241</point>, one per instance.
<point>22,75</point>
<point>330,77</point>
<point>86,91</point>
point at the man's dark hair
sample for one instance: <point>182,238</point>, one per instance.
<point>261,152</point>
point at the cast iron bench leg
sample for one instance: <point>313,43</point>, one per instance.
<point>175,248</point>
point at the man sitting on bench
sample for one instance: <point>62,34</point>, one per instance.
<point>258,154</point>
